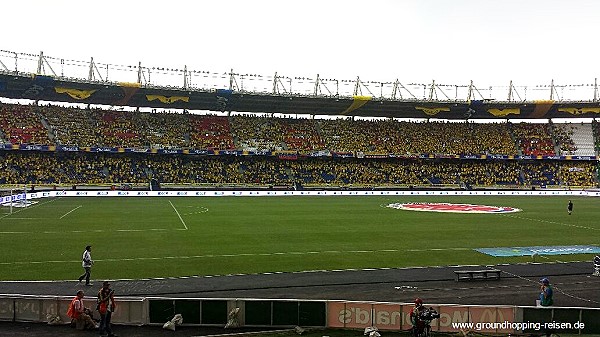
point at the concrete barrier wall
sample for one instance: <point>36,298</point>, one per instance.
<point>24,308</point>
<point>331,314</point>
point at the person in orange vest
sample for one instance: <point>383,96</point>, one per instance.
<point>106,306</point>
<point>79,314</point>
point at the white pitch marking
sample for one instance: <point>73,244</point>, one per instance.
<point>202,210</point>
<point>217,256</point>
<point>29,207</point>
<point>179,215</point>
<point>69,212</point>
<point>96,231</point>
<point>552,222</point>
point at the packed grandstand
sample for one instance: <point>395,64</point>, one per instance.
<point>55,145</point>
<point>65,130</point>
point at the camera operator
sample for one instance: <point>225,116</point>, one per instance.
<point>106,306</point>
<point>415,317</point>
<point>421,318</point>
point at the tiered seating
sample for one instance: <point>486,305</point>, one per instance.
<point>457,138</point>
<point>28,167</point>
<point>210,132</point>
<point>120,129</point>
<point>577,173</point>
<point>540,173</point>
<point>301,135</point>
<point>562,134</point>
<point>581,139</point>
<point>257,133</point>
<point>534,139</point>
<point>165,130</point>
<point>347,135</point>
<point>90,128</point>
<point>70,126</point>
<point>21,125</point>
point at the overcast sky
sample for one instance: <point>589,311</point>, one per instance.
<point>490,42</point>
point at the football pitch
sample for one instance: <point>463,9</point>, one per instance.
<point>148,237</point>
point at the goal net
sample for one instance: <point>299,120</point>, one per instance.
<point>13,200</point>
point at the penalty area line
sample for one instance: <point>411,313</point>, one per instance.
<point>179,215</point>
<point>28,207</point>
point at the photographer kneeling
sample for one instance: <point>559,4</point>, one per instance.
<point>80,315</point>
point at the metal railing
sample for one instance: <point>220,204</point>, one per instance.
<point>279,84</point>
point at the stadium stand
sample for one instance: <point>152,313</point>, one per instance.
<point>210,132</point>
<point>67,168</point>
<point>21,125</point>
<point>291,152</point>
<point>534,139</point>
<point>70,126</point>
<point>257,133</point>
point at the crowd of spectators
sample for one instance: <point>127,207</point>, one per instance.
<point>210,132</point>
<point>67,168</point>
<point>119,128</point>
<point>260,133</point>
<point>301,135</point>
<point>165,130</point>
<point>84,128</point>
<point>577,173</point>
<point>70,126</point>
<point>32,124</point>
<point>534,139</point>
<point>21,125</point>
<point>563,137</point>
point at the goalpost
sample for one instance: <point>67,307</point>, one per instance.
<point>15,199</point>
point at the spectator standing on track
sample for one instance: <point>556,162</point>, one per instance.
<point>547,293</point>
<point>87,263</point>
<point>106,306</point>
<point>570,207</point>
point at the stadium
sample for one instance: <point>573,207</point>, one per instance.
<point>294,198</point>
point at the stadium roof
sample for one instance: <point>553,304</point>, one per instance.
<point>47,88</point>
<point>87,83</point>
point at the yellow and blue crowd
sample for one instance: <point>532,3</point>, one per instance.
<point>87,128</point>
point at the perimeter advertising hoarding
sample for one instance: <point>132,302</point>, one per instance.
<point>387,316</point>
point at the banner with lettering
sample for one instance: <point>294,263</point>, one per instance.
<point>390,316</point>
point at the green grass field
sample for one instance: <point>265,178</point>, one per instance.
<point>182,236</point>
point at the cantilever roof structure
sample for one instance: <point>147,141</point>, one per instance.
<point>34,78</point>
